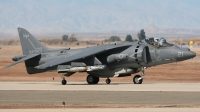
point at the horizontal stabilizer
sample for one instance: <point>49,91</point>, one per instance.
<point>23,59</point>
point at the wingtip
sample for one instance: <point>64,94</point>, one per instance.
<point>5,67</point>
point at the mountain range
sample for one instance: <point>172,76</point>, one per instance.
<point>61,16</point>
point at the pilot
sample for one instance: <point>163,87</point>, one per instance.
<point>156,42</point>
<point>164,43</point>
<point>151,41</point>
<point>161,42</point>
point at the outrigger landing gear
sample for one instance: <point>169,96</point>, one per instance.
<point>108,81</point>
<point>64,82</point>
<point>139,79</point>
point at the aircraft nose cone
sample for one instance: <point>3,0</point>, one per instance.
<point>190,54</point>
<point>185,54</point>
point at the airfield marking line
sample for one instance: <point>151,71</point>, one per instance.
<point>106,109</point>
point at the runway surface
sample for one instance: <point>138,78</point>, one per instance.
<point>115,95</point>
<point>99,98</point>
<point>81,86</point>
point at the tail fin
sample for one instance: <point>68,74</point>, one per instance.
<point>30,44</point>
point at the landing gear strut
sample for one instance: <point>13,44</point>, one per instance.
<point>108,81</point>
<point>92,79</point>
<point>139,79</point>
<point>64,82</point>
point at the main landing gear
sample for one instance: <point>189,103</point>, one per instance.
<point>64,82</point>
<point>139,79</point>
<point>92,79</point>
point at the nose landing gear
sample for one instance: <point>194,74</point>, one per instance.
<point>136,79</point>
<point>139,79</point>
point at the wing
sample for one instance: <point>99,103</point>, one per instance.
<point>23,59</point>
<point>80,55</point>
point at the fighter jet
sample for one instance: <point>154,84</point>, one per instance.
<point>102,61</point>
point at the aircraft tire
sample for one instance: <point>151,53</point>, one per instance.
<point>136,81</point>
<point>92,79</point>
<point>96,80</point>
<point>108,81</point>
<point>64,82</point>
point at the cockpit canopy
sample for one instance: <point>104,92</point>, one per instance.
<point>158,42</point>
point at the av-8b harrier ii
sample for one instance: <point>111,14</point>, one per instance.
<point>115,60</point>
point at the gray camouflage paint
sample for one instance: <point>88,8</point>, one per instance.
<point>120,59</point>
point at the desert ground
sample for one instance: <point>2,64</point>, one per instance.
<point>185,71</point>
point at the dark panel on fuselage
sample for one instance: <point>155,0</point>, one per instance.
<point>148,55</point>
<point>103,56</point>
<point>33,61</point>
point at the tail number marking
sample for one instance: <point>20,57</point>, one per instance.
<point>36,50</point>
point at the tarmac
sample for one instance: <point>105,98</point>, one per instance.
<point>79,96</point>
<point>102,86</point>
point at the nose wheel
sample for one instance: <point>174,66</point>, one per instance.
<point>108,81</point>
<point>139,79</point>
<point>136,79</point>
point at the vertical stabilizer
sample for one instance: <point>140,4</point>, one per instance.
<point>30,44</point>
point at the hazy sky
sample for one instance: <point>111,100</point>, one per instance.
<point>98,15</point>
